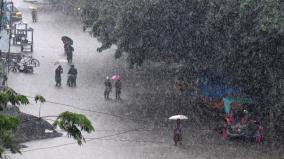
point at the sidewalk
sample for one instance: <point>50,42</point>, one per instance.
<point>4,41</point>
<point>4,47</point>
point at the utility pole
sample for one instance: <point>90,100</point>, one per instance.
<point>2,4</point>
<point>10,34</point>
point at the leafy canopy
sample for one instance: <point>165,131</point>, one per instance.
<point>8,125</point>
<point>8,95</point>
<point>73,124</point>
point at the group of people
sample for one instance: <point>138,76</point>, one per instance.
<point>108,88</point>
<point>72,75</point>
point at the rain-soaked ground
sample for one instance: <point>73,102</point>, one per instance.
<point>136,135</point>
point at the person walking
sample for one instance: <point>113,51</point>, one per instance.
<point>108,88</point>
<point>118,87</point>
<point>34,15</point>
<point>58,72</point>
<point>69,53</point>
<point>178,133</point>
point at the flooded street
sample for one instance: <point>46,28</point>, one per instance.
<point>118,133</point>
<point>110,131</point>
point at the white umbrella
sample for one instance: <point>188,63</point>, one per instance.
<point>60,61</point>
<point>32,7</point>
<point>176,117</point>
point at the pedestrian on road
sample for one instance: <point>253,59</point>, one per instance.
<point>178,133</point>
<point>5,78</point>
<point>58,72</point>
<point>69,56</point>
<point>72,76</point>
<point>108,88</point>
<point>69,52</point>
<point>34,15</point>
<point>118,87</point>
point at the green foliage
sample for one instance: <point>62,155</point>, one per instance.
<point>73,124</point>
<point>8,125</point>
<point>8,122</point>
<point>40,98</point>
<point>240,38</point>
<point>8,95</point>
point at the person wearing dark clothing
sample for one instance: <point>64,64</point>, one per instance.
<point>177,133</point>
<point>69,52</point>
<point>66,45</point>
<point>58,72</point>
<point>108,88</point>
<point>69,56</point>
<point>72,74</point>
<point>34,15</point>
<point>118,87</point>
<point>5,78</point>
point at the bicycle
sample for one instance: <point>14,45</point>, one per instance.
<point>28,60</point>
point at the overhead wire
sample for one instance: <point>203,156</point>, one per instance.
<point>92,111</point>
<point>88,139</point>
<point>97,138</point>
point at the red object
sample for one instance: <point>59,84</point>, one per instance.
<point>224,133</point>
<point>230,119</point>
<point>259,137</point>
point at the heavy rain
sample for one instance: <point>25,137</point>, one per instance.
<point>142,79</point>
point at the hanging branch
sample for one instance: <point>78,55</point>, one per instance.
<point>73,124</point>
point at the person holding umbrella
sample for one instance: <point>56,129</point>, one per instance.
<point>69,52</point>
<point>178,130</point>
<point>118,86</point>
<point>67,42</point>
<point>177,133</point>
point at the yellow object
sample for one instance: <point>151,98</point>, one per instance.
<point>19,14</point>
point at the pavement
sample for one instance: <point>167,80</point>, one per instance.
<point>119,133</point>
<point>4,41</point>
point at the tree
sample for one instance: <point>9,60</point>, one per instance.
<point>42,100</point>
<point>8,126</point>
<point>242,39</point>
<point>73,124</point>
<point>8,95</point>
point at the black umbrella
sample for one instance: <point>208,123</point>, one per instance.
<point>66,39</point>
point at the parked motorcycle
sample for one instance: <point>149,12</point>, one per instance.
<point>16,67</point>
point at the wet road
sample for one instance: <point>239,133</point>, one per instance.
<point>114,137</point>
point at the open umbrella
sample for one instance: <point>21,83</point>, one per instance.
<point>66,39</point>
<point>32,7</point>
<point>176,117</point>
<point>60,61</point>
<point>115,77</point>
